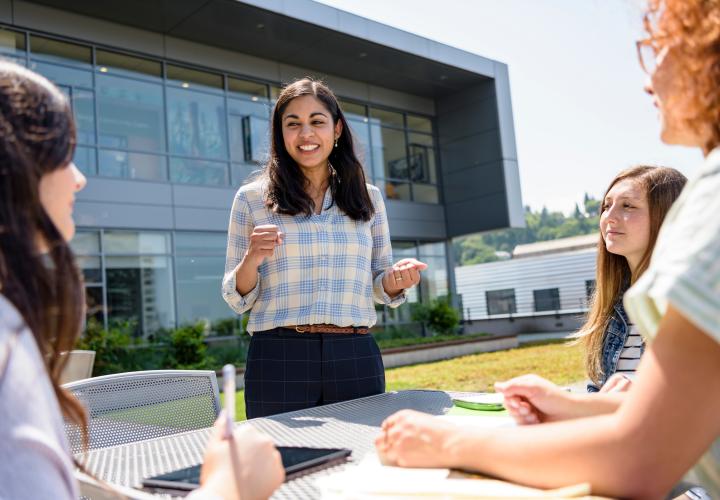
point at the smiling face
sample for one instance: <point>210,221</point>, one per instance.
<point>308,132</point>
<point>625,221</point>
<point>57,194</point>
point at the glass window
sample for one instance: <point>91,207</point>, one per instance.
<point>83,104</point>
<point>419,123</point>
<point>190,171</point>
<point>198,285</point>
<point>433,280</point>
<point>396,190</point>
<point>404,250</point>
<point>84,159</point>
<point>501,301</point>
<point>391,144</point>
<point>114,63</point>
<point>91,269</point>
<point>275,92</point>
<point>361,138</point>
<point>131,114</point>
<point>63,75</point>
<point>115,163</point>
<point>425,193</point>
<point>200,243</point>
<point>547,299</point>
<point>136,242</point>
<point>253,90</point>
<point>193,78</point>
<point>353,111</point>
<point>60,50</point>
<point>385,117</point>
<point>421,163</point>
<point>436,249</point>
<point>94,304</point>
<point>196,122</point>
<point>11,42</point>
<point>249,131</point>
<point>140,290</point>
<point>86,243</point>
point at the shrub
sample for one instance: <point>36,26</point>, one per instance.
<point>110,346</point>
<point>438,316</point>
<point>187,348</point>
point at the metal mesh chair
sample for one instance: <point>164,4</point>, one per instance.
<point>129,407</point>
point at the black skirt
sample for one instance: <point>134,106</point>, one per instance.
<point>287,370</point>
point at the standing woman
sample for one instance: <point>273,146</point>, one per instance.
<point>309,255</point>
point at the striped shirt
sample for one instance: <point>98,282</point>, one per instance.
<point>328,269</point>
<point>631,352</point>
<point>685,271</point>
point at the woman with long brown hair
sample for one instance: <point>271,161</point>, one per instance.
<point>308,257</point>
<point>41,308</point>
<point>669,421</point>
<point>633,209</point>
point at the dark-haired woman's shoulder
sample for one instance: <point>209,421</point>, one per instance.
<point>32,437</point>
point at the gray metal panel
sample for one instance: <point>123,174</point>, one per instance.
<point>202,219</point>
<point>204,197</point>
<point>6,11</point>
<point>123,215</point>
<point>415,220</point>
<point>64,22</point>
<point>126,191</point>
<point>479,165</point>
<point>288,32</point>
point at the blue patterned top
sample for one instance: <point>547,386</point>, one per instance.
<point>328,269</point>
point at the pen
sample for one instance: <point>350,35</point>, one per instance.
<point>229,391</point>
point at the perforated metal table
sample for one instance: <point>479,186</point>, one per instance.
<point>351,424</point>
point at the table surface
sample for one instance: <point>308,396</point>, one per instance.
<point>350,424</point>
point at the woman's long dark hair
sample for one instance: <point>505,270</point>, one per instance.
<point>286,183</point>
<point>37,136</point>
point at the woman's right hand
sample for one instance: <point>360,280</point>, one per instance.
<point>263,241</point>
<point>245,467</point>
<point>531,399</point>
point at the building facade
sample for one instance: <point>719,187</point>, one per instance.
<point>545,286</point>
<point>172,102</point>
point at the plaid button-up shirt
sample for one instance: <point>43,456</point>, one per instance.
<point>328,269</point>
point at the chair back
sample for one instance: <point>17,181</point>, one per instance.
<point>135,406</point>
<point>79,366</point>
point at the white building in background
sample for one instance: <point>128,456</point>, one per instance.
<point>544,286</point>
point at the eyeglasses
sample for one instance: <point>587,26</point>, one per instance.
<point>647,55</point>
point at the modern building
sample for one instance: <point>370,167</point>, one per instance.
<point>546,286</point>
<point>172,101</point>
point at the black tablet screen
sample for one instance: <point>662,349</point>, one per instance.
<point>294,459</point>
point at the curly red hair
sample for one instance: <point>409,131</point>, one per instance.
<point>693,28</point>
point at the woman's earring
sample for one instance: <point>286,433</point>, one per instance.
<point>336,140</point>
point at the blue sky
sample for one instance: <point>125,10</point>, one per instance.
<point>580,112</point>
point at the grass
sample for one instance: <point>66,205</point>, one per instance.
<point>554,360</point>
<point>402,342</point>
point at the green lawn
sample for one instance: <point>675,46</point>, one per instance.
<point>554,360</point>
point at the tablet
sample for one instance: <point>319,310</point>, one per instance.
<point>294,459</point>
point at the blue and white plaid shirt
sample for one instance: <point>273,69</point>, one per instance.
<point>328,269</point>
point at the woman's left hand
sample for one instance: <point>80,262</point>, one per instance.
<point>413,439</point>
<point>404,274</point>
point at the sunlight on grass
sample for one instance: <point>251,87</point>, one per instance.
<point>553,360</point>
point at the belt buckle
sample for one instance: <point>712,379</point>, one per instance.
<point>297,329</point>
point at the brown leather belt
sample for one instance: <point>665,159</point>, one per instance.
<point>327,329</point>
